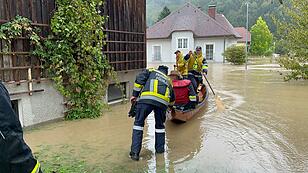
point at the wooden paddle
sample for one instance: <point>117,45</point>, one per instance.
<point>220,105</point>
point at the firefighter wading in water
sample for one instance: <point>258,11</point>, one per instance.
<point>15,155</point>
<point>153,92</point>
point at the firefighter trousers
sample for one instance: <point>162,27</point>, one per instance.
<point>143,110</point>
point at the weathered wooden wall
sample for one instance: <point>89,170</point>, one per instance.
<point>15,64</point>
<point>125,30</point>
<point>126,38</point>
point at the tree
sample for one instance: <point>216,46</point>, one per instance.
<point>235,54</point>
<point>164,13</point>
<point>294,33</point>
<point>261,38</point>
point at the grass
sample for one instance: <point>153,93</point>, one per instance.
<point>66,159</point>
<point>62,161</point>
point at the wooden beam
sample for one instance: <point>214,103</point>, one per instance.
<point>120,62</point>
<point>20,68</point>
<point>129,42</point>
<point>27,92</point>
<point>113,52</point>
<point>34,24</point>
<point>15,53</point>
<point>123,32</point>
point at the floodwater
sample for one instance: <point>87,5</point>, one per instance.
<point>263,129</point>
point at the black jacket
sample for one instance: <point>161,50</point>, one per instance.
<point>154,88</point>
<point>15,155</point>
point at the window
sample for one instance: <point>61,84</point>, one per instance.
<point>15,107</point>
<point>116,92</point>
<point>157,53</point>
<point>182,43</point>
<point>209,51</point>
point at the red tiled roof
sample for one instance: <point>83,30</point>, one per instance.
<point>242,32</point>
<point>190,18</point>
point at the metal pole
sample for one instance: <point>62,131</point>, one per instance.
<point>246,37</point>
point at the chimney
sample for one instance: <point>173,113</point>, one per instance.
<point>212,11</point>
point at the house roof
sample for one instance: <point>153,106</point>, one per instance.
<point>242,32</point>
<point>191,18</point>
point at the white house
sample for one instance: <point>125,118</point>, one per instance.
<point>186,28</point>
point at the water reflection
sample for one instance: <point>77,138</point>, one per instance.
<point>183,142</point>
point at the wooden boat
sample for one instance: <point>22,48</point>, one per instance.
<point>183,116</point>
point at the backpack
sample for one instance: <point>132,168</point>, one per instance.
<point>181,91</point>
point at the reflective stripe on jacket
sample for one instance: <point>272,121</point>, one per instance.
<point>36,169</point>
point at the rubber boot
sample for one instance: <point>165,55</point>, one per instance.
<point>136,144</point>
<point>160,142</point>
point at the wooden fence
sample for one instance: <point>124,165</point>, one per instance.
<point>125,30</point>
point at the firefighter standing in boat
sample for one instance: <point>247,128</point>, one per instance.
<point>181,64</point>
<point>197,64</point>
<point>153,92</point>
<point>15,155</point>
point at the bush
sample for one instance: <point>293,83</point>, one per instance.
<point>298,69</point>
<point>235,54</point>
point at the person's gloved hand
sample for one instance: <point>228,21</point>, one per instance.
<point>132,111</point>
<point>205,71</point>
<point>133,99</point>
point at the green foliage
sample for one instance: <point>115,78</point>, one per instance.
<point>74,59</point>
<point>235,54</point>
<point>294,34</point>
<point>164,13</point>
<point>299,70</point>
<point>261,38</point>
<point>18,27</point>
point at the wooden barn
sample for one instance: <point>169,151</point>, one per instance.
<point>33,94</point>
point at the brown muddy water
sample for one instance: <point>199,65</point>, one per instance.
<point>263,129</point>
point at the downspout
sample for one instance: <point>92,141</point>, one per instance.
<point>224,49</point>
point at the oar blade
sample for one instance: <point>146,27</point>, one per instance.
<point>220,105</point>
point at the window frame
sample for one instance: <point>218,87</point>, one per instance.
<point>153,50</point>
<point>205,49</point>
<point>182,42</point>
<point>124,84</point>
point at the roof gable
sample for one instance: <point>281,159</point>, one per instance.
<point>242,33</point>
<point>190,18</point>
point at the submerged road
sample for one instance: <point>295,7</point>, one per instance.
<point>263,129</point>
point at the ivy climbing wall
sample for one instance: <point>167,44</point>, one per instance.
<point>125,37</point>
<point>16,62</point>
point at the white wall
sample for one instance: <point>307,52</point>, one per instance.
<point>169,46</point>
<point>230,41</point>
<point>41,106</point>
<point>165,47</point>
<point>218,43</point>
<point>182,34</point>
